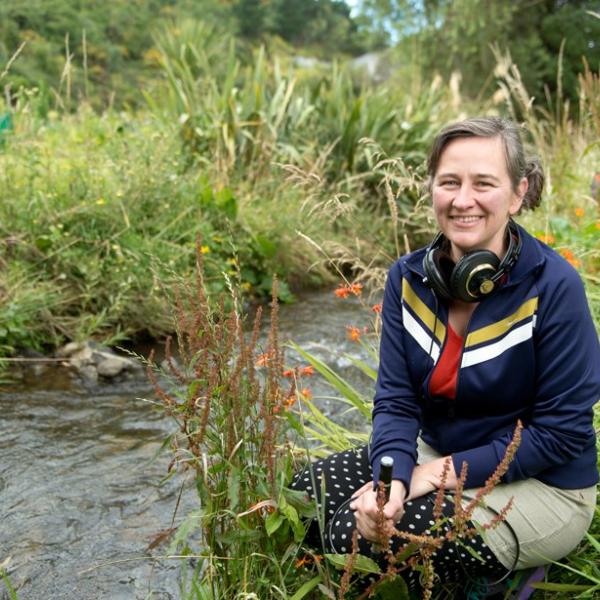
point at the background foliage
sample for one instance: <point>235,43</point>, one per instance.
<point>107,50</point>
<point>135,136</point>
<point>236,142</point>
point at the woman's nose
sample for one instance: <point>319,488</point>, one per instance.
<point>464,197</point>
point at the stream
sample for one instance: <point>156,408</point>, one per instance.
<point>80,494</point>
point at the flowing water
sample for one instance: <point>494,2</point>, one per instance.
<point>80,494</point>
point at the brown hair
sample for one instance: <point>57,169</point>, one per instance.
<point>516,163</point>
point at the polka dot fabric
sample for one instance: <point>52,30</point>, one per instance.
<point>341,474</point>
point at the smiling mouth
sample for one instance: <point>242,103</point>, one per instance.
<point>469,219</point>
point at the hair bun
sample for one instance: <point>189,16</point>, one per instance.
<point>535,179</point>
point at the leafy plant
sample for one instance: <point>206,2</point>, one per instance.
<point>230,408</point>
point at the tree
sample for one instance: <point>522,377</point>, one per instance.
<point>458,34</point>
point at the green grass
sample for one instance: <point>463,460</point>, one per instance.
<point>262,169</point>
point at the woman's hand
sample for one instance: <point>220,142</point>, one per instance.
<point>427,478</point>
<point>365,509</point>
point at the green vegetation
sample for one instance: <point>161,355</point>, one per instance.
<point>97,211</point>
<point>156,139</point>
<point>459,35</point>
<point>105,52</point>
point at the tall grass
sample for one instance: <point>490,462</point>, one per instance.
<point>96,210</point>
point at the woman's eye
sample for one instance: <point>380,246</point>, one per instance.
<point>483,184</point>
<point>449,183</point>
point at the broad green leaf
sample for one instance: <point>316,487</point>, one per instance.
<point>306,588</point>
<point>273,522</point>
<point>292,516</point>
<point>265,246</point>
<point>408,551</point>
<point>362,564</point>
<point>291,513</point>
<point>227,203</point>
<point>340,384</point>
<point>392,589</point>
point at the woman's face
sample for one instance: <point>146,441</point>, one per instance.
<point>473,196</point>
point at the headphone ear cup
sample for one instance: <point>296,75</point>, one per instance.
<point>438,266</point>
<point>471,278</point>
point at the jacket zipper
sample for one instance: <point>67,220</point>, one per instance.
<point>451,409</point>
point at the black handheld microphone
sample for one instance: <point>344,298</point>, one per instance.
<point>385,475</point>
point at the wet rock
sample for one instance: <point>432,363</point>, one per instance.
<point>69,349</point>
<point>88,373</point>
<point>92,360</point>
<point>113,366</point>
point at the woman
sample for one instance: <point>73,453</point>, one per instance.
<point>485,327</point>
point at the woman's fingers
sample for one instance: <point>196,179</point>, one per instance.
<point>366,510</point>
<point>369,530</point>
<point>368,487</point>
<point>394,508</point>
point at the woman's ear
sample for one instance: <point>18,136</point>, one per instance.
<point>519,196</point>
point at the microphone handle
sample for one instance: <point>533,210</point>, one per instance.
<point>386,466</point>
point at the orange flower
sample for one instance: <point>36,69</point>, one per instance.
<point>302,562</point>
<point>343,291</point>
<point>570,257</point>
<point>353,332</point>
<point>308,371</point>
<point>307,393</point>
<point>579,212</point>
<point>288,373</point>
<point>597,224</point>
<point>546,238</point>
<point>356,288</point>
<point>262,360</point>
<point>377,308</point>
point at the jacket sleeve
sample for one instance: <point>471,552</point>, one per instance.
<point>567,383</point>
<point>396,414</point>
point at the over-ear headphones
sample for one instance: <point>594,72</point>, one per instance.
<point>476,275</point>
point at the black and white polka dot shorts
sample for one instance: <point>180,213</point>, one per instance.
<point>345,472</point>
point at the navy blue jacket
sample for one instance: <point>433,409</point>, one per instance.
<point>530,352</point>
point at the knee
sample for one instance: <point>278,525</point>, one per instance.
<point>341,529</point>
